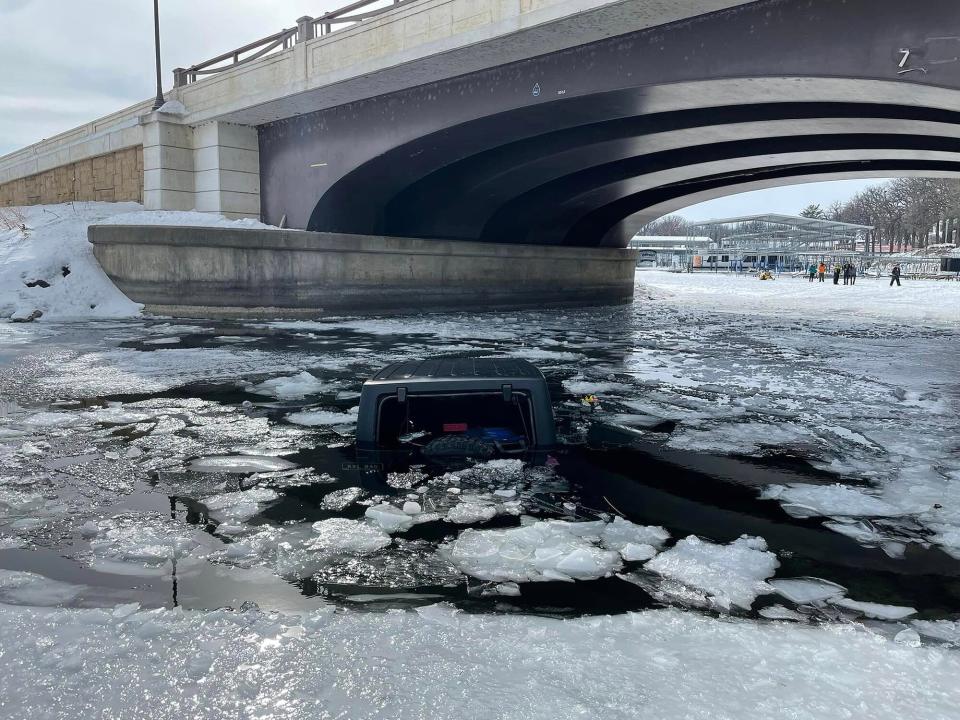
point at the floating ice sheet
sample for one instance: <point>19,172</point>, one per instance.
<point>732,574</point>
<point>875,610</point>
<point>833,499</point>
<point>293,387</point>
<point>240,464</point>
<point>27,588</point>
<point>806,590</point>
<point>539,552</point>
<point>314,418</point>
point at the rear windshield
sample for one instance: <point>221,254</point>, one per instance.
<point>477,414</point>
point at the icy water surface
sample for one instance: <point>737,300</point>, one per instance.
<point>212,463</point>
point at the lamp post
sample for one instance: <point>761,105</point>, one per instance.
<point>158,103</point>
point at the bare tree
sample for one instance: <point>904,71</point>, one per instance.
<point>13,218</point>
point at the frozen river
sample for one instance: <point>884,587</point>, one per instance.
<point>771,465</point>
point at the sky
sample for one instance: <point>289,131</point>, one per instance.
<point>67,62</point>
<point>788,200</point>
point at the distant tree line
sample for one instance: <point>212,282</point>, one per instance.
<point>905,212</point>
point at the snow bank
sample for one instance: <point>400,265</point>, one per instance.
<point>52,269</point>
<point>732,574</point>
<point>56,259</point>
<point>442,664</point>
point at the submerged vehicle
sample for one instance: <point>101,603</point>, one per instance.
<point>457,407</point>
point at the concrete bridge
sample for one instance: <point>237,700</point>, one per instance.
<point>544,122</point>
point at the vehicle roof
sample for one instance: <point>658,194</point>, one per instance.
<point>458,368</point>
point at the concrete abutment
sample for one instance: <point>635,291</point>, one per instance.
<point>227,272</point>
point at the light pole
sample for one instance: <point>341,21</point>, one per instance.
<point>158,103</point>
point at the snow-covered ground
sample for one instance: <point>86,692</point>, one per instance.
<point>50,267</point>
<point>439,663</point>
<point>926,302</point>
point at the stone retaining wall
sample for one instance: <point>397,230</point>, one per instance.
<point>115,177</point>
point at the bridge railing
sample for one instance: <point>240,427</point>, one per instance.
<point>307,28</point>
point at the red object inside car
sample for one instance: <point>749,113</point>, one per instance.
<point>454,427</point>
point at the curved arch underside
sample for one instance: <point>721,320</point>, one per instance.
<point>594,182</point>
<point>580,147</point>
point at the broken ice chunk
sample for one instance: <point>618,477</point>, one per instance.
<point>621,532</point>
<point>239,464</point>
<point>136,543</point>
<point>633,552</point>
<point>806,590</point>
<point>875,610</point>
<point>389,518</point>
<point>836,499</point>
<point>779,612</point>
<point>468,513</point>
<point>732,574</point>
<point>341,499</point>
<point>240,505</point>
<point>27,588</point>
<point>944,630</point>
<point>315,418</point>
<point>292,387</point>
<point>908,637</point>
<point>536,552</point>
<point>339,536</point>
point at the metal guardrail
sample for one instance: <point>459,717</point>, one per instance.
<point>307,28</point>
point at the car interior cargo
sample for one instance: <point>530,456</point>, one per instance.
<point>453,406</point>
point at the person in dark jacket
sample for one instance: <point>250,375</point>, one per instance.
<point>895,275</point>
<point>836,274</point>
<point>846,273</point>
<point>853,274</point>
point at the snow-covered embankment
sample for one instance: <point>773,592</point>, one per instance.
<point>48,270</point>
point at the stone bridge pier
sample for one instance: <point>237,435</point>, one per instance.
<point>212,167</point>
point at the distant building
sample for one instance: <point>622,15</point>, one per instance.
<point>769,241</point>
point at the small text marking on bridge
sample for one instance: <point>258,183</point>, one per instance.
<point>561,92</point>
<point>536,90</point>
<point>906,55</point>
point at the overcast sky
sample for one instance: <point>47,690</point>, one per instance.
<point>67,62</point>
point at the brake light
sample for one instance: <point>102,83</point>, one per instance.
<point>454,427</point>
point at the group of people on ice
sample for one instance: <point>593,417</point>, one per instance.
<point>849,272</point>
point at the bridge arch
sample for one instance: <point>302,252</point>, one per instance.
<point>580,146</point>
<point>593,183</point>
